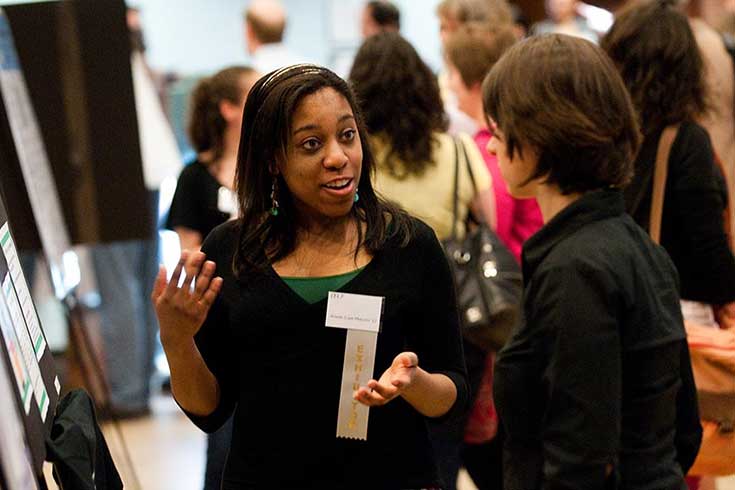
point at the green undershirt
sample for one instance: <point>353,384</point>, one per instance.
<point>314,289</point>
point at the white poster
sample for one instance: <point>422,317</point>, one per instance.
<point>24,294</point>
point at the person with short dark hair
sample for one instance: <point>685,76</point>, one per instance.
<point>595,389</point>
<point>249,335</point>
<point>265,24</point>
<point>380,16</point>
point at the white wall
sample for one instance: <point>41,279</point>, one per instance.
<point>202,36</point>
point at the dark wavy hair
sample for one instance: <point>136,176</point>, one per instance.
<point>562,97</point>
<point>657,55</point>
<point>266,132</point>
<point>206,124</point>
<point>400,98</point>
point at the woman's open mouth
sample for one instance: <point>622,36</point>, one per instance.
<point>339,186</point>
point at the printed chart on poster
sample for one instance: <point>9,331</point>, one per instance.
<point>27,355</point>
<point>15,454</point>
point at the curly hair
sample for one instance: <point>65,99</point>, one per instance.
<point>656,53</point>
<point>400,99</point>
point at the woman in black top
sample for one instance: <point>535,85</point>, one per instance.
<point>595,389</point>
<point>204,196</point>
<point>657,55</point>
<point>245,339</point>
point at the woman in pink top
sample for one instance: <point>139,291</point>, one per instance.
<point>517,219</point>
<point>470,54</point>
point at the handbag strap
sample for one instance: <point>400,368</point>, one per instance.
<point>660,173</point>
<point>455,204</point>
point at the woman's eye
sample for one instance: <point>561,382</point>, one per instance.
<point>349,135</point>
<point>311,144</point>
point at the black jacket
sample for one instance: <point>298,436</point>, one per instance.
<point>597,381</point>
<point>691,226</point>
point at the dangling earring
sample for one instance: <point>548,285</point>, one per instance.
<point>357,196</point>
<point>274,205</point>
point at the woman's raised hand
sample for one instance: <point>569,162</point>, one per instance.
<point>394,381</point>
<point>181,310</point>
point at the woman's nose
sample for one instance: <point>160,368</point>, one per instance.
<point>336,157</point>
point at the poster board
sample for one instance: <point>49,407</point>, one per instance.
<point>25,136</point>
<point>24,348</point>
<point>16,466</point>
<point>75,59</point>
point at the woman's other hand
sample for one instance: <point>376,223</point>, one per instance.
<point>181,310</point>
<point>394,381</point>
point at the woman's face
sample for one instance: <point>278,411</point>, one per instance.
<point>447,26</point>
<point>324,156</point>
<point>517,169</point>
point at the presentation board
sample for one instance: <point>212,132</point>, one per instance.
<point>16,464</point>
<point>24,347</point>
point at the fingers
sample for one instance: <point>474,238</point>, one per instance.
<point>211,293</point>
<point>192,267</point>
<point>173,283</point>
<point>160,285</point>
<point>376,394</point>
<point>370,398</point>
<point>204,278</point>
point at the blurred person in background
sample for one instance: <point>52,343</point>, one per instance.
<point>657,55</point>
<point>452,14</point>
<point>471,52</point>
<point>380,16</point>
<point>719,79</point>
<point>415,165</point>
<point>564,18</point>
<point>656,52</point>
<point>205,196</point>
<point>124,269</point>
<point>265,24</point>
<point>595,389</point>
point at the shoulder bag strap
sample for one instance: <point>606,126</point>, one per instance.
<point>660,174</point>
<point>455,203</point>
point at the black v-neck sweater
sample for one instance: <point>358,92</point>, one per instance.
<point>280,369</point>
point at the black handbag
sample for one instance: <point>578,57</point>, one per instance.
<point>487,278</point>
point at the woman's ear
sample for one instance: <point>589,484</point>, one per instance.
<point>230,112</point>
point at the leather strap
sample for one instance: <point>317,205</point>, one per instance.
<point>660,174</point>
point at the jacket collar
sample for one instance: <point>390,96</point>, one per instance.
<point>591,207</point>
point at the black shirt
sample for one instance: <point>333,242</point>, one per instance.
<point>275,359</point>
<point>195,202</point>
<point>598,378</point>
<point>691,225</point>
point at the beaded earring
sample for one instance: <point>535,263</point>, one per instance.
<point>274,201</point>
<point>357,196</point>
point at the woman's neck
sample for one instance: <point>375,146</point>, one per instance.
<point>223,169</point>
<point>551,201</point>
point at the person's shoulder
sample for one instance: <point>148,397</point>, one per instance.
<point>222,239</point>
<point>584,250</point>
<point>193,171</point>
<point>692,145</point>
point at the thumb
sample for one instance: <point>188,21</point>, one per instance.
<point>160,285</point>
<point>407,359</point>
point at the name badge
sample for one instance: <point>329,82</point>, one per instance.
<point>361,316</point>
